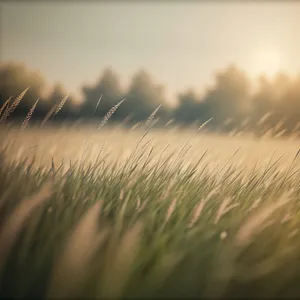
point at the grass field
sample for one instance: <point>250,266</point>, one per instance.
<point>120,213</point>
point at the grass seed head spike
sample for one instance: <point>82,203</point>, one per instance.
<point>5,106</point>
<point>29,115</point>
<point>110,113</point>
<point>49,114</point>
<point>205,123</point>
<point>13,106</point>
<point>97,105</point>
<point>149,120</point>
<point>197,212</point>
<point>14,223</point>
<point>60,105</point>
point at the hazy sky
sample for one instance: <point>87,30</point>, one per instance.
<point>181,44</point>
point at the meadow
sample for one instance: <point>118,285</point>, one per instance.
<point>115,212</point>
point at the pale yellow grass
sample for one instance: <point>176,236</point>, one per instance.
<point>118,143</point>
<point>257,220</point>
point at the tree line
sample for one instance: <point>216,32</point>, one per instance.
<point>230,103</point>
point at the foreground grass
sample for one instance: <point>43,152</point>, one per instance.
<point>150,227</point>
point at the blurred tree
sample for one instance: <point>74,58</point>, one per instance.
<point>108,88</point>
<point>143,97</point>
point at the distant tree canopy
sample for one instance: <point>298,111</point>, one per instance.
<point>143,97</point>
<point>189,108</point>
<point>228,98</point>
<point>108,88</point>
<point>15,78</point>
<point>231,101</point>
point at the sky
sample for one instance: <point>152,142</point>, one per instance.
<point>181,44</point>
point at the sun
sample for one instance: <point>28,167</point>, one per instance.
<point>268,62</point>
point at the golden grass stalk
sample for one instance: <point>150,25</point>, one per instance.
<point>205,123</point>
<point>227,121</point>
<point>13,106</point>
<point>255,204</point>
<point>170,209</point>
<point>197,213</point>
<point>120,259</point>
<point>279,134</point>
<point>279,125</point>
<point>110,113</point>
<point>60,105</point>
<point>121,196</point>
<point>249,228</point>
<point>13,225</point>
<point>29,115</point>
<point>264,118</point>
<point>69,271</point>
<point>4,106</point>
<point>135,126</point>
<point>97,104</point>
<point>49,114</point>
<point>151,117</point>
<point>222,209</point>
<point>297,126</point>
<point>199,208</point>
<point>138,203</point>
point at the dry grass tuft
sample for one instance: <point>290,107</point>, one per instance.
<point>70,269</point>
<point>13,225</point>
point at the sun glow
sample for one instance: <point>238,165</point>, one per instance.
<point>268,62</point>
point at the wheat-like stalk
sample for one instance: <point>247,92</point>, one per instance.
<point>110,113</point>
<point>170,209</point>
<point>150,118</point>
<point>70,268</point>
<point>199,208</point>
<point>201,126</point>
<point>29,115</point>
<point>13,224</point>
<point>279,134</point>
<point>222,209</point>
<point>60,105</point>
<point>135,126</point>
<point>97,104</point>
<point>264,118</point>
<point>169,122</point>
<point>4,106</point>
<point>13,106</point>
<point>256,220</point>
<point>197,212</point>
<point>49,114</point>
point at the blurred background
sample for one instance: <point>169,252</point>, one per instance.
<point>235,62</point>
